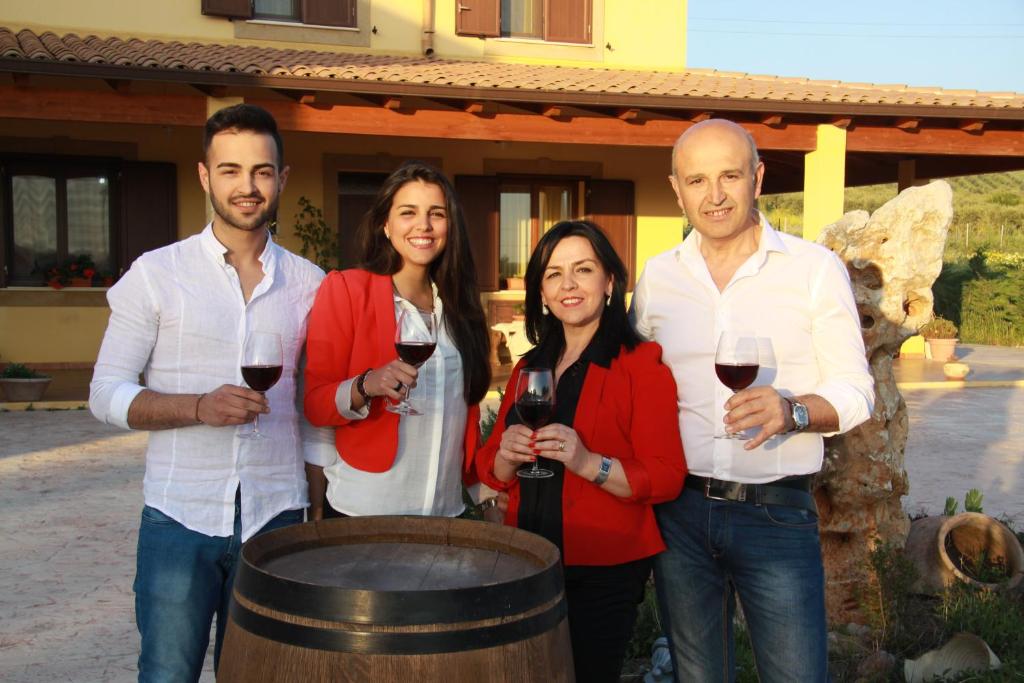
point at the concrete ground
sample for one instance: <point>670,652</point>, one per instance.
<point>71,493</point>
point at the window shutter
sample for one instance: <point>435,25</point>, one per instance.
<point>610,205</point>
<point>234,9</point>
<point>479,198</point>
<point>567,21</point>
<point>478,18</point>
<point>329,12</point>
<point>149,208</point>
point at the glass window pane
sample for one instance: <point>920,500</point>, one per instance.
<point>514,232</point>
<point>554,204</point>
<point>34,206</point>
<point>276,9</point>
<point>89,220</point>
<point>521,18</point>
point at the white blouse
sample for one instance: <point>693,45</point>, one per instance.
<point>426,478</point>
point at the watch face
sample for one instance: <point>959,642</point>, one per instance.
<point>800,416</point>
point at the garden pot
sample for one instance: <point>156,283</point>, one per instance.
<point>936,546</point>
<point>81,282</point>
<point>18,390</point>
<point>943,349</point>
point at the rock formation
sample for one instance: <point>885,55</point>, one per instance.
<point>893,258</point>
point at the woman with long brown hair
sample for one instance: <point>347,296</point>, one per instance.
<point>414,257</point>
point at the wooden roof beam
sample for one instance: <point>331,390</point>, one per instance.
<point>480,108</point>
<point>773,120</point>
<point>909,124</point>
<point>298,96</point>
<point>119,85</point>
<point>392,103</point>
<point>211,90</point>
<point>21,80</point>
<point>555,111</point>
<point>973,125</point>
<point>844,122</point>
<point>699,116</point>
<point>631,114</point>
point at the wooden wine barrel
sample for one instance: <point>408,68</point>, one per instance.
<point>397,599</point>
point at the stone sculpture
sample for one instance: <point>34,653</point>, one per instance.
<point>893,257</point>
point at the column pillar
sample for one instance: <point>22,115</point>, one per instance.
<point>824,180</point>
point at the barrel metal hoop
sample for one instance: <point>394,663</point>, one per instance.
<point>392,643</point>
<point>398,608</point>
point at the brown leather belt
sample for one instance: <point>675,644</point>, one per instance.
<point>789,491</point>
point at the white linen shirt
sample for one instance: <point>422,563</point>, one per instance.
<point>426,477</point>
<point>796,296</point>
<point>179,317</point>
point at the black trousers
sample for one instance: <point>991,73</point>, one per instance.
<point>602,612</point>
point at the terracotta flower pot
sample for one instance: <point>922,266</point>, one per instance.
<point>943,349</point>
<point>939,545</point>
<point>18,390</point>
<point>81,282</point>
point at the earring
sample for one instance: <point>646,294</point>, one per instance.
<point>544,309</point>
<point>387,234</point>
<point>608,300</point>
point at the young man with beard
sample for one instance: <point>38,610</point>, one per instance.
<point>746,521</point>
<point>180,315</point>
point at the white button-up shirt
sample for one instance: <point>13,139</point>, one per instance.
<point>426,478</point>
<point>796,297</point>
<point>179,317</point>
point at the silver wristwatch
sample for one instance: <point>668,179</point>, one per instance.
<point>801,418</point>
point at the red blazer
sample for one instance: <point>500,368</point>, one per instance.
<point>352,328</point>
<point>627,411</point>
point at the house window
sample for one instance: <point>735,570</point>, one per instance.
<point>55,213</point>
<point>309,12</point>
<point>526,210</point>
<point>566,21</point>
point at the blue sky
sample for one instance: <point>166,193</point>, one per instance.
<point>972,44</point>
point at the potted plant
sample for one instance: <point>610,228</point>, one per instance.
<point>77,271</point>
<point>21,383</point>
<point>941,337</point>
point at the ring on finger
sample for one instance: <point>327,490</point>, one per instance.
<point>561,445</point>
<point>399,386</point>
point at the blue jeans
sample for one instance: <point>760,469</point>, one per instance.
<point>771,555</point>
<point>182,579</point>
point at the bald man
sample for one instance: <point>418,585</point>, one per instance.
<point>746,523</point>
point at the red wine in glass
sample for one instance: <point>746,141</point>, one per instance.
<point>535,403</point>
<point>262,359</point>
<point>736,376</point>
<point>415,341</point>
<point>261,377</point>
<point>415,353</point>
<point>736,365</point>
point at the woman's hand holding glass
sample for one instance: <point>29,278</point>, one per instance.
<point>391,381</point>
<point>519,445</point>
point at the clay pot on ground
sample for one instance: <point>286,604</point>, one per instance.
<point>945,551</point>
<point>955,370</point>
<point>943,349</point>
<point>964,652</point>
<point>19,390</point>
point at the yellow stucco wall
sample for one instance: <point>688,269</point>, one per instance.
<point>37,334</point>
<point>651,34</point>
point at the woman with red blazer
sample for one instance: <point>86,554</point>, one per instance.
<point>415,256</point>
<point>613,443</point>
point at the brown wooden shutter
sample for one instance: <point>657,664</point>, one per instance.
<point>149,208</point>
<point>329,12</point>
<point>478,18</point>
<point>235,9</point>
<point>479,198</point>
<point>610,205</point>
<point>567,21</point>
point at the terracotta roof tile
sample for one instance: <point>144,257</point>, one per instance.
<point>177,56</point>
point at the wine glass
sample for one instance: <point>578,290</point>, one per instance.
<point>535,403</point>
<point>415,340</point>
<point>736,364</point>
<point>261,368</point>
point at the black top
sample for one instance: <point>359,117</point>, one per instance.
<point>540,500</point>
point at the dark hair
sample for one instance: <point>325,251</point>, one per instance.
<point>542,329</point>
<point>453,271</point>
<point>246,117</point>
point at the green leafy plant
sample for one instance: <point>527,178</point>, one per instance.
<point>20,371</point>
<point>939,328</point>
<point>972,501</point>
<point>79,266</point>
<point>317,237</point>
<point>951,506</point>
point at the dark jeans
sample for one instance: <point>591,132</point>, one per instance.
<point>771,554</point>
<point>182,579</point>
<point>602,611</point>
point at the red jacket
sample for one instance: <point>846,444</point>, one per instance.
<point>352,328</point>
<point>627,411</point>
